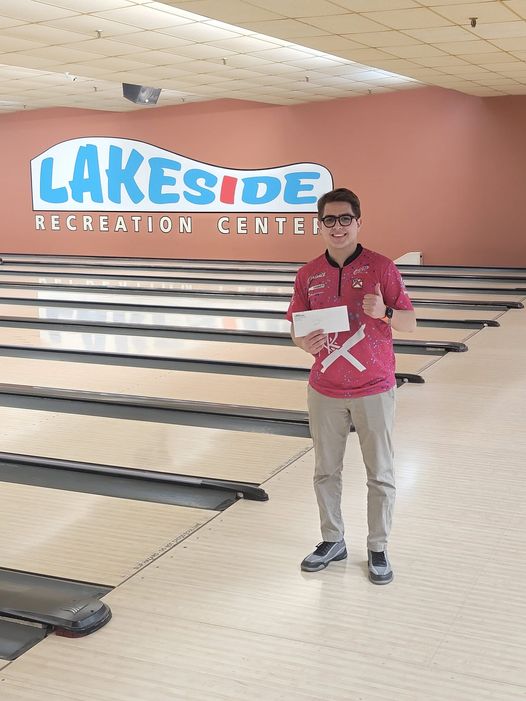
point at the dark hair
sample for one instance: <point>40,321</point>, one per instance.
<point>341,194</point>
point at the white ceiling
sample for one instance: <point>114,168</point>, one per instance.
<point>77,53</point>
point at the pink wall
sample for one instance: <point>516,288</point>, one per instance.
<point>436,170</point>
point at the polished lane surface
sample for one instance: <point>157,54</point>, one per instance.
<point>256,288</point>
<point>269,355</point>
<point>226,324</point>
<point>147,445</point>
<point>87,537</point>
<point>211,302</point>
<point>241,264</point>
<point>419,277</point>
<point>208,387</point>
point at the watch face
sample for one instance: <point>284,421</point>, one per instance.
<point>389,312</point>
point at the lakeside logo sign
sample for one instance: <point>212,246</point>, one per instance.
<point>104,174</point>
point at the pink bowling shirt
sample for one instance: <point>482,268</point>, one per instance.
<point>359,362</point>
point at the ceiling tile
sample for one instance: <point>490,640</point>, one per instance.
<point>509,44</point>
<point>366,55</point>
<point>421,18</point>
<point>416,50</point>
<point>80,69</point>
<point>10,22</point>
<point>8,43</point>
<point>345,24</point>
<point>488,59</point>
<point>32,11</point>
<point>440,61</point>
<point>316,62</point>
<point>466,47</point>
<point>441,34</point>
<point>144,17</point>
<point>517,6</point>
<point>200,31</point>
<point>151,40</point>
<point>284,28</point>
<point>245,44</point>
<point>114,63</point>
<point>60,54</point>
<point>281,54</point>
<point>380,40</point>
<point>202,51</point>
<point>158,58</point>
<point>89,6</point>
<point>105,47</point>
<point>300,8</point>
<point>235,11</point>
<point>42,34</point>
<point>17,59</point>
<point>90,24</point>
<point>485,12</point>
<point>466,71</point>
<point>375,5</point>
<point>501,30</point>
<point>331,43</point>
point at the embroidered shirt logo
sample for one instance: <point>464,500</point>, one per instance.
<point>357,283</point>
<point>316,277</point>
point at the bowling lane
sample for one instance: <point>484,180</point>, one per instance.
<point>437,295</point>
<point>190,321</point>
<point>169,263</point>
<point>237,390</point>
<point>434,333</point>
<point>144,318</point>
<point>453,270</point>
<point>424,281</point>
<point>145,445</point>
<point>212,302</point>
<point>256,288</point>
<point>241,264</point>
<point>157,347</point>
<point>441,314</point>
<point>415,364</point>
<point>87,537</point>
<point>135,300</point>
<point>23,272</point>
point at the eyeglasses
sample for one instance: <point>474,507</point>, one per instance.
<point>343,220</point>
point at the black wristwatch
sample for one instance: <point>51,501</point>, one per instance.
<point>388,315</point>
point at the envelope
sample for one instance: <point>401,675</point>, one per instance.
<point>331,319</point>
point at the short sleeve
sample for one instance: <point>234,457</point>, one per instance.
<point>393,289</point>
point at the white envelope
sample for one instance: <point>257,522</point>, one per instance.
<point>331,319</point>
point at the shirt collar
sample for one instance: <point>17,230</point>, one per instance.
<point>330,260</point>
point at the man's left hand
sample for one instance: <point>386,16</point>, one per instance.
<point>373,305</point>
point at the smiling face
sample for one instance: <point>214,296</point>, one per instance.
<point>341,239</point>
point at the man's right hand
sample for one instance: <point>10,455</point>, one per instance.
<point>312,342</point>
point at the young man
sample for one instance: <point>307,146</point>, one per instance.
<point>353,376</point>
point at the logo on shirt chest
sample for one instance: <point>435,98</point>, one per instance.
<point>357,283</point>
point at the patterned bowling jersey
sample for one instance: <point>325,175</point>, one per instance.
<point>361,361</point>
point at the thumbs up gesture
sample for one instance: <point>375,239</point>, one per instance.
<point>373,305</point>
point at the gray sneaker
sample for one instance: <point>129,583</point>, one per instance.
<point>380,571</point>
<point>325,552</point>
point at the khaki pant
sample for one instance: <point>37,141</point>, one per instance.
<point>373,418</point>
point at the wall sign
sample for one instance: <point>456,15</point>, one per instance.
<point>115,175</point>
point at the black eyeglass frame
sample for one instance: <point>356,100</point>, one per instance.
<point>338,219</point>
